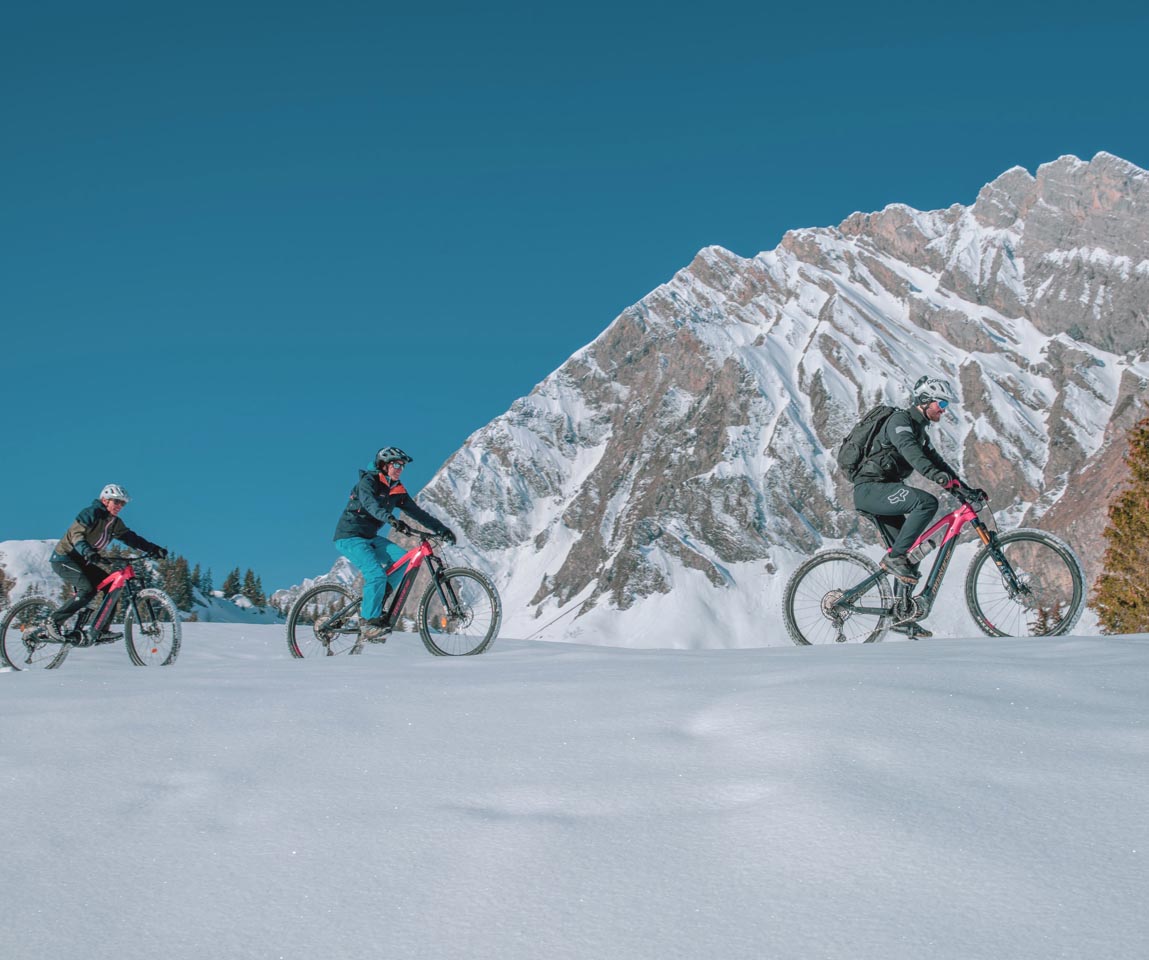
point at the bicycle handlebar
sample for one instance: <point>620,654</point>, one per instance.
<point>125,559</point>
<point>960,496</point>
<point>410,531</point>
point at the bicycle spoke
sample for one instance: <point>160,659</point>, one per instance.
<point>459,615</point>
<point>1040,593</point>
<point>323,622</point>
<point>812,613</point>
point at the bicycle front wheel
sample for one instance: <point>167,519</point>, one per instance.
<point>153,640</point>
<point>811,609</point>
<point>1039,590</point>
<point>323,622</point>
<point>25,643</point>
<point>459,614</point>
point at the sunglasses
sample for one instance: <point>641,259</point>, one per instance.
<point>942,404</point>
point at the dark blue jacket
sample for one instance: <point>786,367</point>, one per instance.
<point>370,504</point>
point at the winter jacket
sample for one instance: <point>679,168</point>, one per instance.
<point>92,530</point>
<point>370,504</point>
<point>901,447</point>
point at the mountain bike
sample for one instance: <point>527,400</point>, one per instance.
<point>1023,583</point>
<point>458,614</point>
<point>29,641</point>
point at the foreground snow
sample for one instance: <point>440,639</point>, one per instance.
<point>945,799</point>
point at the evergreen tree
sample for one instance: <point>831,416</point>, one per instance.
<point>231,583</point>
<point>1121,595</point>
<point>175,581</point>
<point>253,589</point>
<point>7,584</point>
<point>205,584</point>
<point>197,578</point>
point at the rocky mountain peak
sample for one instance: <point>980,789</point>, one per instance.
<point>684,460</point>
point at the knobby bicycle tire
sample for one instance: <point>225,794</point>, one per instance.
<point>23,637</point>
<point>310,632</point>
<point>809,596</point>
<point>154,639</point>
<point>468,624</point>
<point>1053,595</point>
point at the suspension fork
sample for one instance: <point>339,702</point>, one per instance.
<point>990,540</point>
<point>446,594</point>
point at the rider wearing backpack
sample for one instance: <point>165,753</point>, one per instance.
<point>369,507</point>
<point>896,447</point>
<point>75,558</point>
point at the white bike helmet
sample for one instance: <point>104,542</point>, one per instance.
<point>113,491</point>
<point>933,388</point>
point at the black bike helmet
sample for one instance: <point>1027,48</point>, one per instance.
<point>390,455</point>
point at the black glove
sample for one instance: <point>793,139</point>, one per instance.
<point>400,526</point>
<point>92,557</point>
<point>965,491</point>
<point>156,553</point>
<point>448,537</point>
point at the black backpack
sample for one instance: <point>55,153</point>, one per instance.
<point>855,449</point>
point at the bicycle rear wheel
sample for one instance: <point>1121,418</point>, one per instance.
<point>1045,596</point>
<point>459,614</point>
<point>323,622</point>
<point>25,643</point>
<point>154,639</point>
<point>809,607</point>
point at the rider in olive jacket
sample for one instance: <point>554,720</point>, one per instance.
<point>75,559</point>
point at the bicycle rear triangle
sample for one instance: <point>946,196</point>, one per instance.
<point>1020,584</point>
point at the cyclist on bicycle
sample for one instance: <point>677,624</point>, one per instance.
<point>900,447</point>
<point>377,493</point>
<point>75,558</point>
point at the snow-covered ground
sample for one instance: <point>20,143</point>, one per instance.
<point>959,799</point>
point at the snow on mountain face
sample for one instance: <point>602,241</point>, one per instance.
<point>679,467</point>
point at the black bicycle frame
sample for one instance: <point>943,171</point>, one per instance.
<point>964,514</point>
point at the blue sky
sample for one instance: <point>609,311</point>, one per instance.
<point>245,244</point>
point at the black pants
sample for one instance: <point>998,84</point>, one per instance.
<point>81,577</point>
<point>904,511</point>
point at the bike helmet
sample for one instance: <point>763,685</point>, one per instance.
<point>113,491</point>
<point>933,388</point>
<point>390,455</point>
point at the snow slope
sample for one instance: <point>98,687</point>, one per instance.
<point>960,799</point>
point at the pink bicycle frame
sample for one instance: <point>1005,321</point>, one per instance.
<point>954,521</point>
<point>117,579</point>
<point>112,584</point>
<point>413,559</point>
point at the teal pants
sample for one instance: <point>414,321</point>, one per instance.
<point>372,558</point>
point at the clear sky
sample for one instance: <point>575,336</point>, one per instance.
<point>244,244</point>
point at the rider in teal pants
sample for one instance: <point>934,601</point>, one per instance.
<point>369,507</point>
